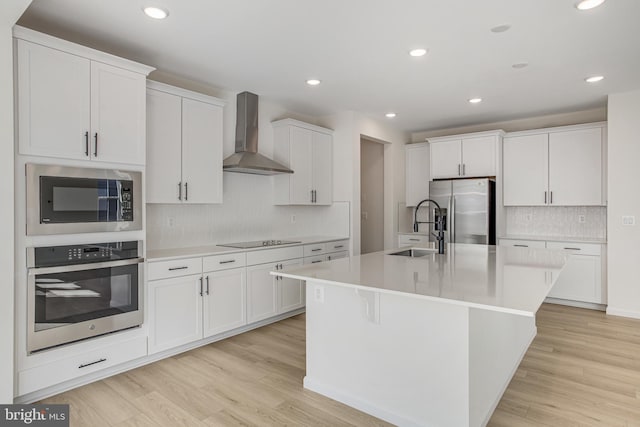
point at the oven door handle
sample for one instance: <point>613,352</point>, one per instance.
<point>81,267</point>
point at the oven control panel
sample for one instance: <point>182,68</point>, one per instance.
<point>81,254</point>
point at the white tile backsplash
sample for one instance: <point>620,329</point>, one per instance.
<point>557,221</point>
<point>247,214</point>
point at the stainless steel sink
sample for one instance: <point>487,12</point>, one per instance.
<point>414,252</point>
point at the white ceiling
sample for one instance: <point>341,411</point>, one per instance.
<point>358,48</point>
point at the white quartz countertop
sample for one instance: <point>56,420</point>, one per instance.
<point>500,278</point>
<point>197,251</point>
<point>601,241</point>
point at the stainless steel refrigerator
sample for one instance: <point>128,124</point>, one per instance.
<point>469,208</point>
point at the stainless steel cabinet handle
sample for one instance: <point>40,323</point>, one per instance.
<point>311,196</point>
<point>521,246</point>
<point>95,148</point>
<point>572,249</point>
<point>329,258</point>
<point>414,240</point>
<point>315,262</point>
<point>281,267</point>
<point>201,293</point>
<point>545,197</point>
<point>338,247</point>
<point>227,261</point>
<point>186,191</point>
<point>316,250</point>
<point>178,268</point>
<point>84,365</point>
<point>207,285</point>
<point>180,190</point>
<point>459,170</point>
<point>86,143</point>
<point>464,169</point>
<point>550,197</point>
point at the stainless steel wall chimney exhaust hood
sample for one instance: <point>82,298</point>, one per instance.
<point>246,159</point>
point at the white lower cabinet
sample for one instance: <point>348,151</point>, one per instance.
<point>582,277</point>
<point>224,302</point>
<point>269,295</point>
<point>175,312</point>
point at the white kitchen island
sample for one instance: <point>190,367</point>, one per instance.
<point>429,341</point>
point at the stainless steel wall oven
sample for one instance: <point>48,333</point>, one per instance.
<point>68,200</point>
<point>80,291</point>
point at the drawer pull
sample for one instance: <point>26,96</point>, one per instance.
<point>414,240</point>
<point>316,250</point>
<point>572,249</point>
<point>315,262</point>
<point>229,261</point>
<point>84,365</point>
<point>521,246</point>
<point>178,268</point>
<point>338,247</point>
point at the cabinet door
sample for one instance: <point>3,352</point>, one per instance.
<point>479,156</point>
<point>416,173</point>
<point>53,102</point>
<point>201,152</point>
<point>175,312</point>
<point>164,147</point>
<point>575,168</point>
<point>526,174</point>
<point>224,302</point>
<point>322,160</point>
<point>262,295</point>
<point>301,153</point>
<point>580,280</point>
<point>291,291</point>
<point>446,159</point>
<point>118,114</point>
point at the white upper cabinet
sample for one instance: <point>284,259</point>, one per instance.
<point>184,146</point>
<point>308,151</point>
<point>575,167</point>
<point>77,103</point>
<point>559,167</point>
<point>465,156</point>
<point>416,173</point>
<point>525,174</point>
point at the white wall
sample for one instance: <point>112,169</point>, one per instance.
<point>624,199</point>
<point>10,11</point>
<point>349,128</point>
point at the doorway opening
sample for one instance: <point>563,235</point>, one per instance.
<point>371,196</point>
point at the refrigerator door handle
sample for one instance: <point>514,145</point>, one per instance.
<point>453,219</point>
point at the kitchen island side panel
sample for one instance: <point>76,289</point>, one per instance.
<point>400,358</point>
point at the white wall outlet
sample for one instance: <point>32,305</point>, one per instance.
<point>628,220</point>
<point>318,293</point>
<point>293,219</point>
<point>171,221</point>
<point>582,219</point>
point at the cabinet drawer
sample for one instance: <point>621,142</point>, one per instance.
<point>272,255</point>
<point>338,246</point>
<point>315,249</point>
<point>412,240</point>
<point>224,262</point>
<point>57,372</point>
<point>174,268</point>
<point>540,244</point>
<point>338,255</point>
<point>577,248</point>
<point>315,259</point>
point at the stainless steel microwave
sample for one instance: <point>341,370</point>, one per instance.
<point>69,200</point>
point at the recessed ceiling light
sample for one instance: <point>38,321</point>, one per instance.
<point>313,82</point>
<point>520,65</point>
<point>475,100</point>
<point>155,12</point>
<point>501,28</point>
<point>418,52</point>
<point>588,4</point>
<point>593,79</point>
<point>390,115</point>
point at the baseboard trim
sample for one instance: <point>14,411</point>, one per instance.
<point>613,311</point>
<point>579,304</point>
<point>127,366</point>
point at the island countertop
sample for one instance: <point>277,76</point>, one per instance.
<point>500,278</point>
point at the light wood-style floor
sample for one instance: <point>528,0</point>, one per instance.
<point>583,368</point>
